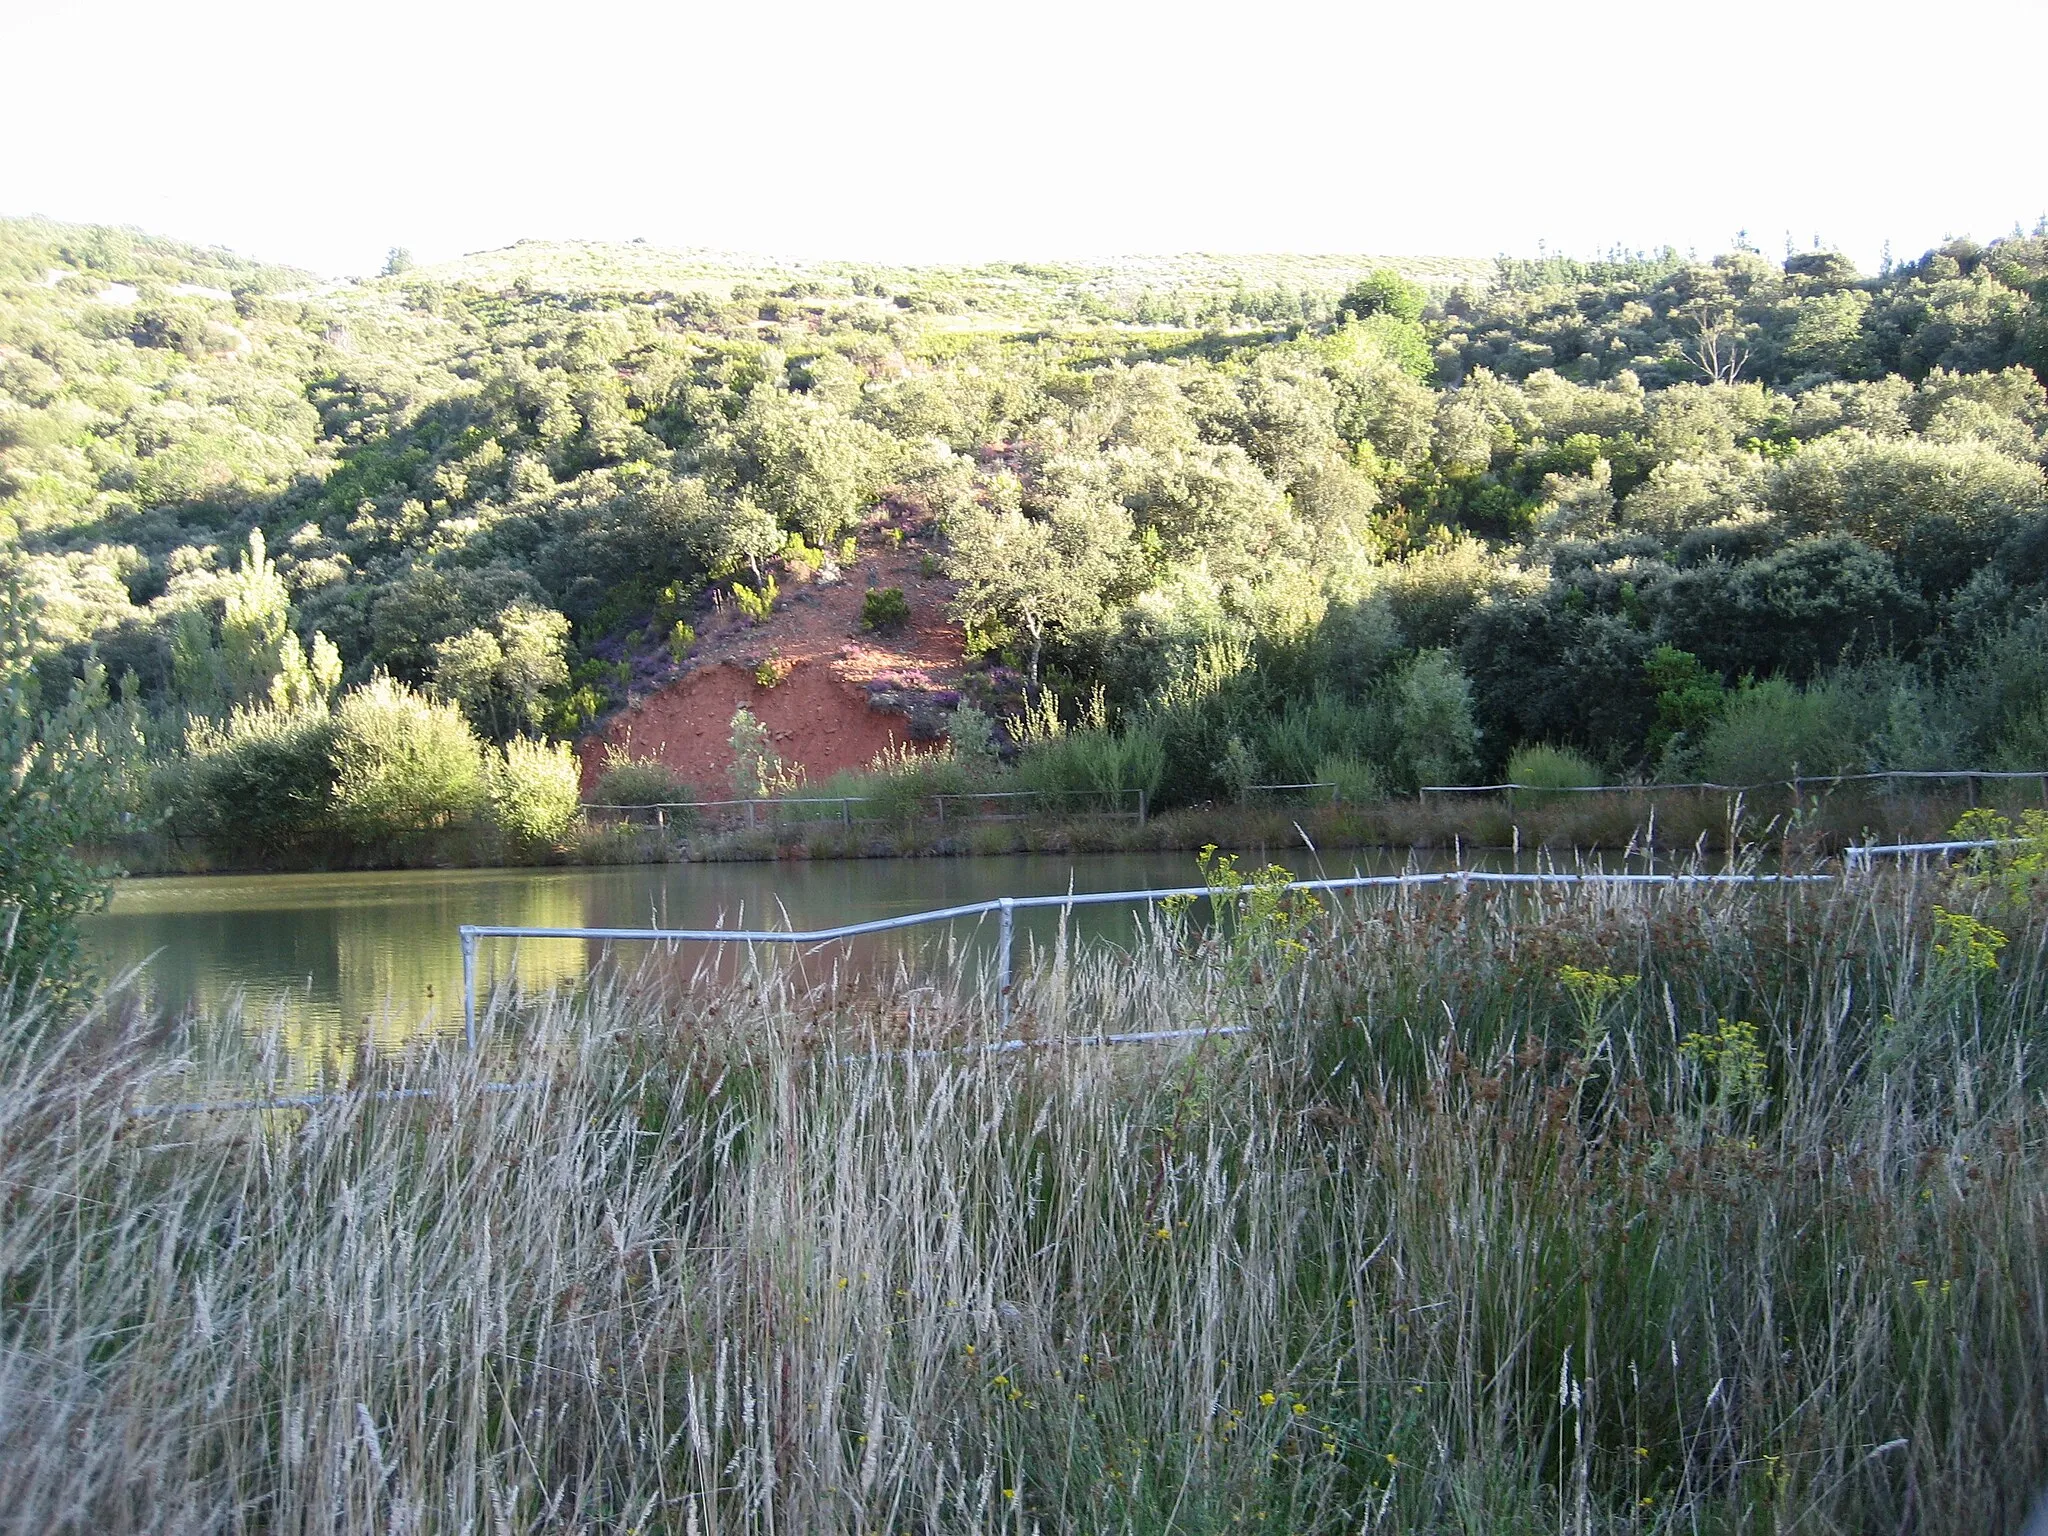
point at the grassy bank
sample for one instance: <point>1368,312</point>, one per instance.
<point>1614,1211</point>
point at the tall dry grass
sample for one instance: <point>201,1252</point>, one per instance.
<point>1606,1211</point>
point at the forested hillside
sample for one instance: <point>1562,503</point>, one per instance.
<point>1293,517</point>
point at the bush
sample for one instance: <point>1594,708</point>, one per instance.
<point>64,782</point>
<point>1771,730</point>
<point>972,734</point>
<point>404,765</point>
<point>258,786</point>
<point>898,785</point>
<point>1543,766</point>
<point>630,780</point>
<point>1355,783</point>
<point>534,791</point>
<point>757,772</point>
<point>1431,704</point>
<point>885,610</point>
<point>1094,761</point>
<point>756,605</point>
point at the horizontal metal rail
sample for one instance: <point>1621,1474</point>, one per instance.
<point>1006,907</point>
<point>1852,857</point>
<point>1969,774</point>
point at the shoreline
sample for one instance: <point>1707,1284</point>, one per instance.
<point>1630,822</point>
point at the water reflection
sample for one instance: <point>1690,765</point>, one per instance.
<point>327,961</point>
<point>324,962</point>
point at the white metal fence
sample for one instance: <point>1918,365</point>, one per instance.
<point>1005,909</point>
<point>1974,778</point>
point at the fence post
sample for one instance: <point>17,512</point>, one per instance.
<point>469,988</point>
<point>1006,935</point>
<point>1141,801</point>
<point>941,802</point>
<point>845,811</point>
<point>750,814</point>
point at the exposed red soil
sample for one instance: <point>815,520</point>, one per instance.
<point>818,713</point>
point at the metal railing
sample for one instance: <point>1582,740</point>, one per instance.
<point>1972,776</point>
<point>1336,790</point>
<point>1855,857</point>
<point>774,805</point>
<point>1007,907</point>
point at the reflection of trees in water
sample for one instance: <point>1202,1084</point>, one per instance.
<point>319,963</point>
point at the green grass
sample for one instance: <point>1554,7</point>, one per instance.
<point>1498,1220</point>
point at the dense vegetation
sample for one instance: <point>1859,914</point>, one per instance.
<point>1295,519</point>
<point>1621,1211</point>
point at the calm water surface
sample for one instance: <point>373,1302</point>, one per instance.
<point>317,963</point>
<point>320,962</point>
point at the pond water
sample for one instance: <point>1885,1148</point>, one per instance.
<point>317,963</point>
<point>322,961</point>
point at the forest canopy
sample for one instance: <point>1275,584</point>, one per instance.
<point>1282,512</point>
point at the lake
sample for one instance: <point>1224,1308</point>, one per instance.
<point>325,960</point>
<point>320,962</point>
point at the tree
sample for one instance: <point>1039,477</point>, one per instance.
<point>403,765</point>
<point>1385,292</point>
<point>1716,345</point>
<point>533,638</point>
<point>257,658</point>
<point>397,261</point>
<point>502,673</point>
<point>66,783</point>
<point>255,614</point>
<point>1039,575</point>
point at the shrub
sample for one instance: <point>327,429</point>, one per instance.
<point>534,792</point>
<point>972,733</point>
<point>1771,730</point>
<point>885,610</point>
<point>756,771</point>
<point>259,785</point>
<point>756,605</point>
<point>1356,783</point>
<point>1432,714</point>
<point>1094,761</point>
<point>404,765</point>
<point>630,780</point>
<point>64,781</point>
<point>899,784</point>
<point>1543,766</point>
<point>681,640</point>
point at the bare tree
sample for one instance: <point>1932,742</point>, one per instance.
<point>1717,348</point>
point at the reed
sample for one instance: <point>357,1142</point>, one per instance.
<point>1600,1210</point>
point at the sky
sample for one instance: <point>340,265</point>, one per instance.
<point>899,130</point>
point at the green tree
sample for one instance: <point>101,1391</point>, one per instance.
<point>1038,575</point>
<point>67,783</point>
<point>404,765</point>
<point>1385,292</point>
<point>534,789</point>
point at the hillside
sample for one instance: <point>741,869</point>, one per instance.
<point>1186,289</point>
<point>833,692</point>
<point>1251,519</point>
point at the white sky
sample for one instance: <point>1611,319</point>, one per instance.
<point>908,130</point>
